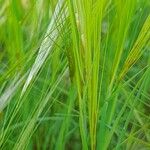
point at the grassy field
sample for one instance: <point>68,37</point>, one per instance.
<point>75,74</point>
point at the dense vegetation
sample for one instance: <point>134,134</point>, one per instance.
<point>75,74</point>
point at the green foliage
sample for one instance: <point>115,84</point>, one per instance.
<point>74,74</point>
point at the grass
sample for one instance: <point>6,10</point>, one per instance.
<point>75,74</point>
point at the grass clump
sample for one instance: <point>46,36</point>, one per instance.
<point>74,74</point>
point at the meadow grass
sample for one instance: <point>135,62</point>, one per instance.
<point>75,74</point>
